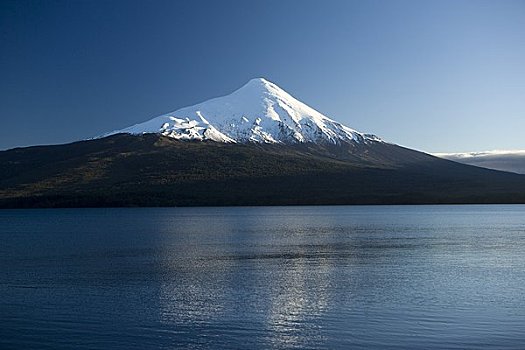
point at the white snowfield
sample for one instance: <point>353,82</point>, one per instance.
<point>260,111</point>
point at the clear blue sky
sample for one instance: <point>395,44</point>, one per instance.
<point>432,75</point>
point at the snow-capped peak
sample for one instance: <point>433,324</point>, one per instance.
<point>259,111</point>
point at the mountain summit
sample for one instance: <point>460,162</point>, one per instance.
<point>260,112</point>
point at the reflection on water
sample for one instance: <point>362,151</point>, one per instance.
<point>299,297</point>
<point>230,277</point>
<point>438,277</point>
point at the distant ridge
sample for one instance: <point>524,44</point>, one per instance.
<point>510,160</point>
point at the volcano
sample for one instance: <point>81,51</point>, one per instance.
<point>257,146</point>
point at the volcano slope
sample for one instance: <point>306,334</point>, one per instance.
<point>155,170</point>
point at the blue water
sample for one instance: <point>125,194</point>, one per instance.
<point>371,277</point>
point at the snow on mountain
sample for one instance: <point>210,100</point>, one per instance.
<point>260,111</point>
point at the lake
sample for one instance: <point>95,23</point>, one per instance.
<point>360,277</point>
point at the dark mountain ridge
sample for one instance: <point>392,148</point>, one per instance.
<point>154,170</point>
